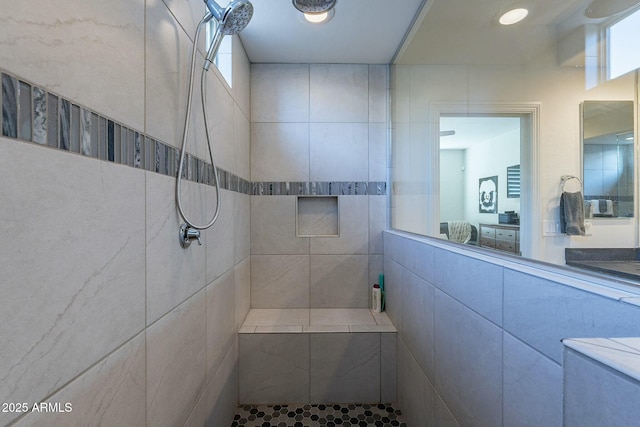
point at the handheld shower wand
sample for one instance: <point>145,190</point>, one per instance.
<point>230,20</point>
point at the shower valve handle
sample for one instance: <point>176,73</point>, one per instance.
<point>187,234</point>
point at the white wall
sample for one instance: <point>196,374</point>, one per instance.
<point>101,307</point>
<point>452,185</point>
<point>416,89</point>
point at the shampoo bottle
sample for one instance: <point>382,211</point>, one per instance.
<point>376,299</point>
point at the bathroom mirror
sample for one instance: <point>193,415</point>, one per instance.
<point>608,158</point>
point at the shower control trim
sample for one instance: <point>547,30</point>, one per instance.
<point>187,234</point>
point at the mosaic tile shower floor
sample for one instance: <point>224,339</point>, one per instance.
<point>361,415</point>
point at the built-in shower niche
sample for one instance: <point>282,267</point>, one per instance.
<point>317,216</point>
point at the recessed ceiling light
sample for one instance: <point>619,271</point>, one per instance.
<point>513,16</point>
<point>319,18</point>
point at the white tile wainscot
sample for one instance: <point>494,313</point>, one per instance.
<point>326,355</point>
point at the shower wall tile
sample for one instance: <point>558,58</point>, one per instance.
<point>74,300</point>
<point>111,37</point>
<point>188,14</point>
<point>415,392</point>
<point>393,287</point>
<point>9,106</point>
<point>279,93</point>
<point>388,367</point>
<point>353,229</point>
<point>532,387</point>
<point>469,363</point>
<point>378,100</point>
<point>273,368</point>
<point>111,393</point>
<point>242,77</point>
<point>241,143</point>
<point>220,110</point>
<point>280,281</point>
<point>176,362</point>
<point>39,116</point>
<point>280,152</point>
<point>339,152</point>
<point>173,273</point>
<point>242,225</point>
<point>339,281</point>
<point>242,278</point>
<point>352,377</point>
<point>377,223</point>
<point>221,320</point>
<point>377,152</point>
<point>339,93</point>
<point>221,397</point>
<point>474,283</point>
<point>273,227</point>
<point>219,241</point>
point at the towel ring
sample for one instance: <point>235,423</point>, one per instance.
<point>566,178</point>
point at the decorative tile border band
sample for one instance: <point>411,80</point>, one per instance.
<point>333,188</point>
<point>32,114</point>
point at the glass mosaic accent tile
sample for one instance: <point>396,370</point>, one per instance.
<point>361,415</point>
<point>33,114</point>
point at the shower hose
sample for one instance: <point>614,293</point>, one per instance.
<point>183,150</point>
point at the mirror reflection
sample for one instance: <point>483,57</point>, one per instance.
<point>607,138</point>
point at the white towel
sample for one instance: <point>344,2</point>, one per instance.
<point>595,206</point>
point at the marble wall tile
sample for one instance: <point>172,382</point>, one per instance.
<point>279,93</point>
<point>74,300</point>
<point>167,63</point>
<point>280,281</point>
<point>221,320</point>
<point>241,89</point>
<point>378,137</point>
<point>280,152</point>
<point>353,228</point>
<point>339,93</point>
<point>188,14</point>
<point>541,313</point>
<point>273,368</point>
<point>219,241</point>
<point>111,37</point>
<point>173,273</point>
<point>443,416</point>
<point>220,113</point>
<point>468,361</point>
<point>377,223</point>
<point>418,321</point>
<point>241,143</point>
<point>420,259</point>
<point>415,393</point>
<point>339,152</point>
<point>393,284</point>
<point>388,367</point>
<point>112,392</point>
<point>339,281</point>
<point>273,226</point>
<point>9,106</point>
<point>597,396</point>
<point>176,362</point>
<point>222,393</point>
<point>475,283</point>
<point>354,376</point>
<point>532,387</point>
<point>242,276</point>
<point>378,100</point>
<point>242,225</point>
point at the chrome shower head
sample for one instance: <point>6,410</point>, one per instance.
<point>232,19</point>
<point>313,6</point>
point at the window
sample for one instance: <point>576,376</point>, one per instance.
<point>623,42</point>
<point>223,59</point>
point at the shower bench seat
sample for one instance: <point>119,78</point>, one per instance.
<point>324,355</point>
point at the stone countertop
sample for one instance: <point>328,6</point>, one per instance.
<point>620,354</point>
<point>620,262</point>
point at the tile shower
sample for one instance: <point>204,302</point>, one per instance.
<point>131,329</point>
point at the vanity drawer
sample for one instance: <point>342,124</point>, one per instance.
<point>487,242</point>
<point>507,246</point>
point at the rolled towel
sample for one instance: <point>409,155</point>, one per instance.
<point>572,214</point>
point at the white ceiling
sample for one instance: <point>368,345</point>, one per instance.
<point>470,130</point>
<point>445,31</point>
<point>361,32</point>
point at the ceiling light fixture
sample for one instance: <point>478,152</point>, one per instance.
<point>513,16</point>
<point>319,18</point>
